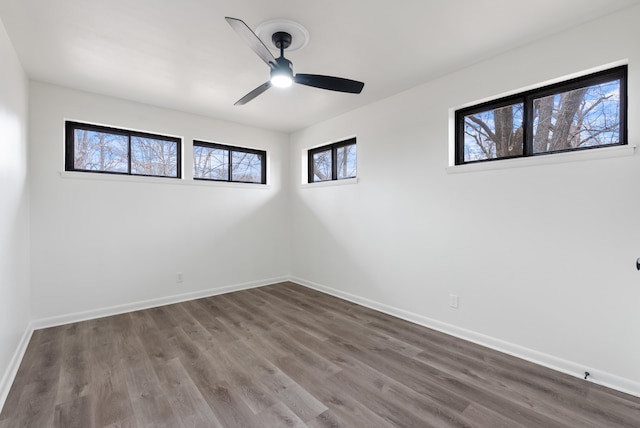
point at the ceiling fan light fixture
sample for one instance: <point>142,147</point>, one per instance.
<point>282,73</point>
<point>281,80</point>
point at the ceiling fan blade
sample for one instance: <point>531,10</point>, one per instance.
<point>329,82</point>
<point>251,95</point>
<point>252,40</point>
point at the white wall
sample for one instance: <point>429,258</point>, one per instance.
<point>14,210</point>
<point>115,243</point>
<point>542,257</point>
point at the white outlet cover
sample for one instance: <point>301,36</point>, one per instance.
<point>453,301</point>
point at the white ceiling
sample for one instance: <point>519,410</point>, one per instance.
<point>183,55</point>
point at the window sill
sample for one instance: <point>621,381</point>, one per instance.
<point>583,155</point>
<point>346,181</point>
<point>159,180</point>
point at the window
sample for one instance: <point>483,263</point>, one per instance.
<point>226,163</point>
<point>92,148</point>
<point>335,161</point>
<point>583,113</point>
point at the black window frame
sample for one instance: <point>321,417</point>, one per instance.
<point>72,126</point>
<point>231,149</point>
<point>334,159</point>
<point>527,98</point>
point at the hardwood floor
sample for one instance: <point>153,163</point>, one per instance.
<point>287,356</point>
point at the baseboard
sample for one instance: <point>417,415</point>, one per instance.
<point>568,367</point>
<point>14,365</point>
<point>146,304</point>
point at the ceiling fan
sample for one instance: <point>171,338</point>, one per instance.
<point>281,68</point>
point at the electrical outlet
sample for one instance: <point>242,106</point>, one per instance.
<point>453,301</point>
<point>179,277</point>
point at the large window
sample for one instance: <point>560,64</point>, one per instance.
<point>335,161</point>
<point>583,113</point>
<point>92,148</point>
<point>218,162</point>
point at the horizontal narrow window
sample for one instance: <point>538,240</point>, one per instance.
<point>582,113</point>
<point>218,162</point>
<point>93,148</point>
<point>335,161</point>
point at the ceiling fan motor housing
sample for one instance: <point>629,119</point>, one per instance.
<point>281,39</point>
<point>283,67</point>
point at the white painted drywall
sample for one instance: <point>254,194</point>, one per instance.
<point>109,242</point>
<point>541,257</point>
<point>14,210</point>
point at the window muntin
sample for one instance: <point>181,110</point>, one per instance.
<point>218,162</point>
<point>101,149</point>
<point>582,113</point>
<point>335,161</point>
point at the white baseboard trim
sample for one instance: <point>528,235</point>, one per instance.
<point>571,368</point>
<point>146,304</point>
<point>14,365</point>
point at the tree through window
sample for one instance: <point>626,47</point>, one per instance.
<point>335,161</point>
<point>218,162</point>
<point>93,148</point>
<point>582,113</point>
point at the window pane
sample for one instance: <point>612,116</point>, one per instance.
<point>154,157</point>
<point>493,133</point>
<point>346,161</point>
<point>322,166</point>
<point>210,163</point>
<point>246,167</point>
<point>579,118</point>
<point>100,151</point>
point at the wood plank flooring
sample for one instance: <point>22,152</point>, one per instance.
<point>287,356</point>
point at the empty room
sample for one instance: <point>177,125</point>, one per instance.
<point>319,214</point>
